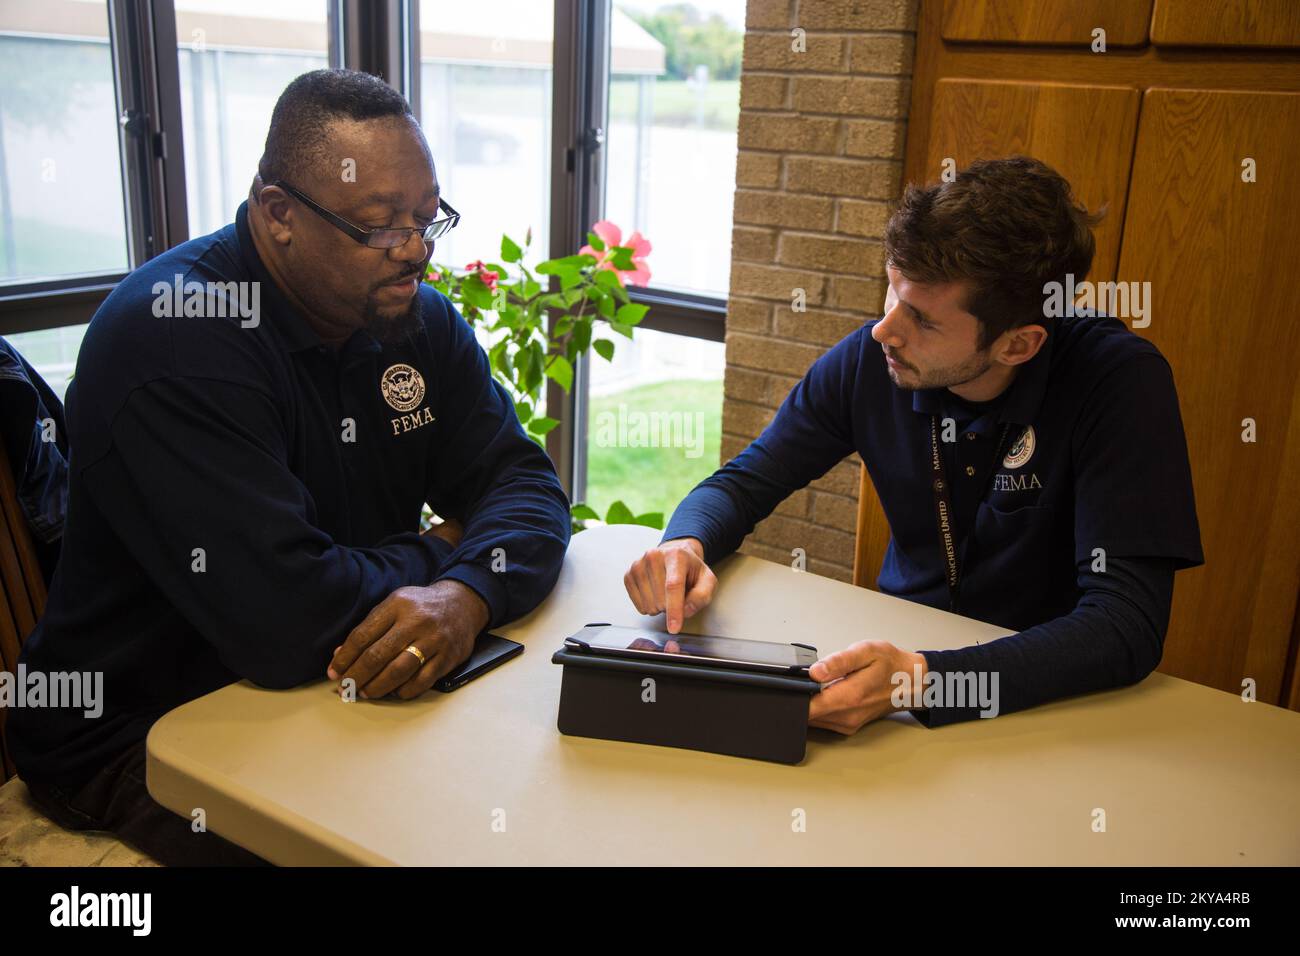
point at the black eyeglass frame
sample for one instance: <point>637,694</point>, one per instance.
<point>368,237</point>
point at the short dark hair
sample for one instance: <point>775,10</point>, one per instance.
<point>299,133</point>
<point>1005,226</point>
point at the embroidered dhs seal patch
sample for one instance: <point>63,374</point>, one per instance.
<point>403,387</point>
<point>1021,450</point>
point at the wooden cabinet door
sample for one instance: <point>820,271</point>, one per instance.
<point>1037,21</point>
<point>1219,253</point>
<point>1085,133</point>
<point>1254,23</point>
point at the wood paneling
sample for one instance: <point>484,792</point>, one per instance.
<point>1084,132</point>
<point>1223,313</point>
<point>1139,68</point>
<point>1218,253</point>
<point>1216,23</point>
<point>1034,21</point>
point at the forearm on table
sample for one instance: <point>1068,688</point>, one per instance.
<point>1113,638</point>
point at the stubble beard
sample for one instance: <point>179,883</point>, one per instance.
<point>947,377</point>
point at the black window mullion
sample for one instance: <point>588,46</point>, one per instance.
<point>147,78</point>
<point>381,37</point>
<point>579,118</point>
<point>682,313</point>
<point>165,109</point>
<point>335,17</point>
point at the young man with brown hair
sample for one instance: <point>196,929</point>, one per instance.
<point>1033,468</point>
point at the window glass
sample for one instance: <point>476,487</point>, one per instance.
<point>61,210</point>
<point>674,103</point>
<point>235,58</point>
<point>654,421</point>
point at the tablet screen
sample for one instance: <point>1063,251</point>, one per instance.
<point>615,638</point>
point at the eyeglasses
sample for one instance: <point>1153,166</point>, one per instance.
<point>377,238</point>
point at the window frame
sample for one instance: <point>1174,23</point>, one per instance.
<point>380,37</point>
<point>383,38</point>
<point>580,119</point>
<point>152,163</point>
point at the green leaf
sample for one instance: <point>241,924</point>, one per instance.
<point>560,370</point>
<point>622,259</point>
<point>541,425</point>
<point>501,359</point>
<point>604,348</point>
<point>510,251</point>
<point>569,278</point>
<point>582,335</point>
<point>651,519</point>
<point>581,512</point>
<point>474,292</point>
<point>523,367</point>
<point>607,279</point>
<point>555,266</point>
<point>619,513</point>
<point>524,412</point>
<point>595,242</point>
<point>632,313</point>
<point>620,328</point>
<point>605,306</point>
<point>533,375</point>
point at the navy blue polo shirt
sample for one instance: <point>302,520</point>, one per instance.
<point>1096,459</point>
<point>241,496</point>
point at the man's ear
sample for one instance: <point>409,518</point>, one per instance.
<point>1021,344</point>
<point>276,210</point>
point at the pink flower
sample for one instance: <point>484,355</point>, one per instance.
<point>612,236</point>
<point>488,276</point>
<point>433,275</point>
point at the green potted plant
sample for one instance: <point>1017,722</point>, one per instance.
<point>540,331</point>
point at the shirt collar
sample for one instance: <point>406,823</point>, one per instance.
<point>296,333</point>
<point>1023,398</point>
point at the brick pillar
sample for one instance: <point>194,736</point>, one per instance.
<point>821,147</point>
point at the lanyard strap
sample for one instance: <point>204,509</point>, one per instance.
<point>943,508</point>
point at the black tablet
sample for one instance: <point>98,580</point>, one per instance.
<point>704,649</point>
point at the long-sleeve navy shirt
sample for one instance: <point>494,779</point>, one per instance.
<point>241,496</point>
<point>1071,537</point>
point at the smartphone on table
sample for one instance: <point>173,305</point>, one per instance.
<point>490,650</point>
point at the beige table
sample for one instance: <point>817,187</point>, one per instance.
<point>1185,774</point>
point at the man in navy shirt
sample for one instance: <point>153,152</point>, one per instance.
<point>1032,467</point>
<point>257,418</point>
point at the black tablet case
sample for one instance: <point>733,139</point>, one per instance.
<point>735,712</point>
